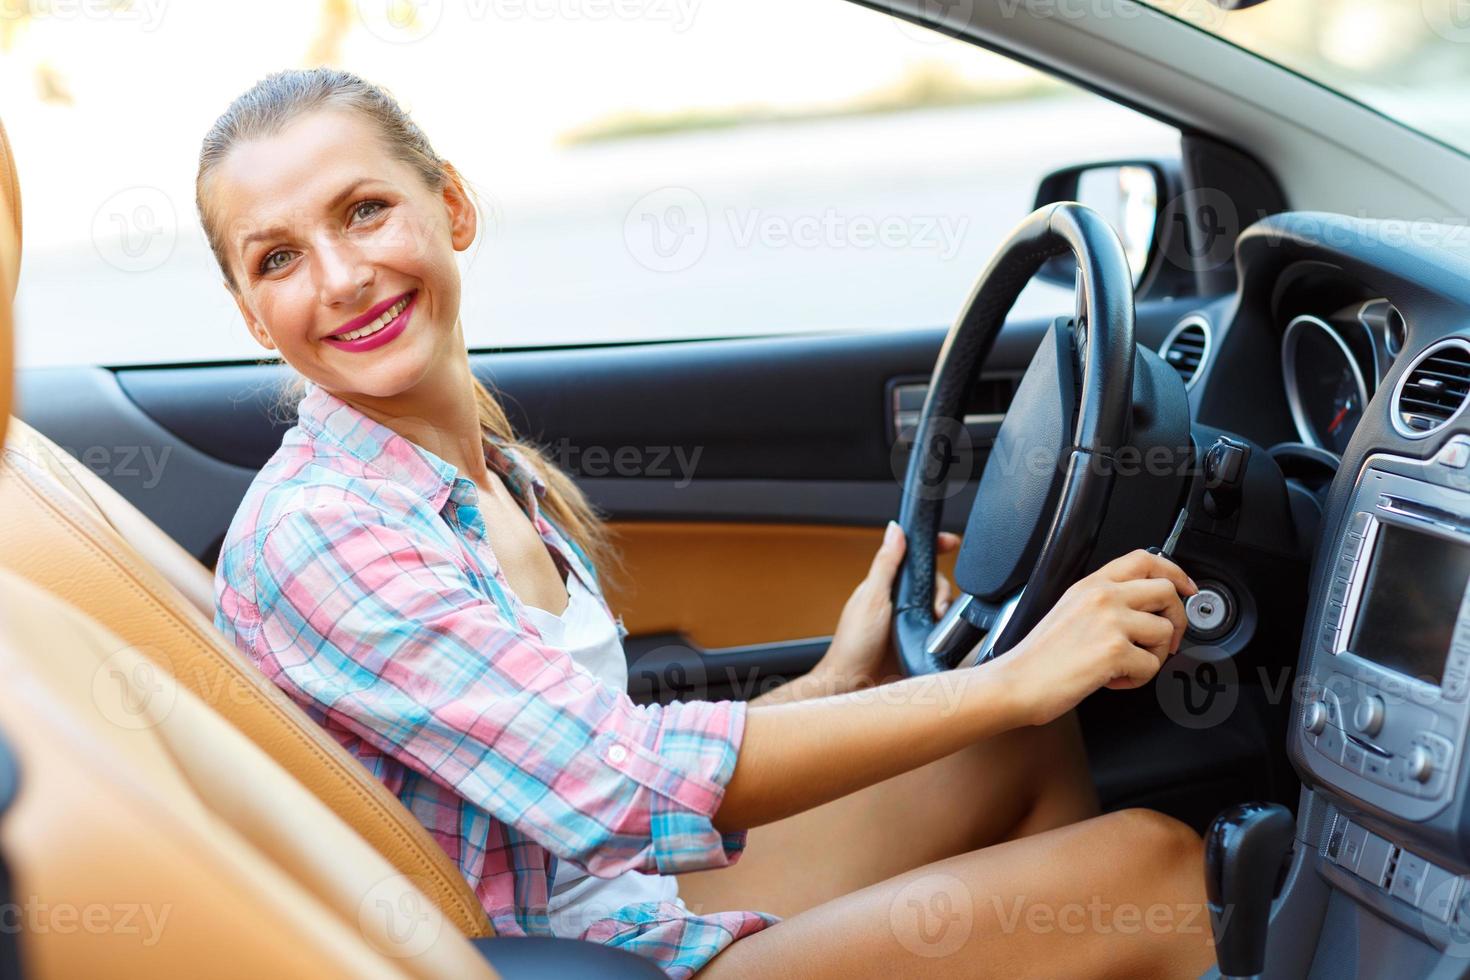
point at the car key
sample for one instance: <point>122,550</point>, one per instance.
<point>1173,539</point>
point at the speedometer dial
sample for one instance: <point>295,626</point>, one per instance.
<point>1324,384</point>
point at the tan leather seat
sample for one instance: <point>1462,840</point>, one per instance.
<point>65,530</point>
<point>150,838</point>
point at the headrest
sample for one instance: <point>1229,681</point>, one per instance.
<point>9,273</point>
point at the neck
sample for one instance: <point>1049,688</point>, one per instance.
<point>438,414</point>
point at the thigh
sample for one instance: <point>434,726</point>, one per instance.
<point>1120,895</point>
<point>1017,783</point>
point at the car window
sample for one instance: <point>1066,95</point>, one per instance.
<point>652,169</point>
<point>1407,60</point>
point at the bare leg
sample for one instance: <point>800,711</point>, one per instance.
<point>1022,782</point>
<point>1117,896</point>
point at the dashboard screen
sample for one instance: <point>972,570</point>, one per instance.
<point>1406,618</point>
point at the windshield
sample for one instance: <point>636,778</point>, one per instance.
<point>1408,59</point>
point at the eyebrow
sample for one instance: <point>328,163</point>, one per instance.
<point>277,231</point>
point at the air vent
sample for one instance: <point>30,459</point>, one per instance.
<point>1187,347</point>
<point>1433,390</point>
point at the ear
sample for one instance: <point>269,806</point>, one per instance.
<point>463,220</point>
<point>257,329</point>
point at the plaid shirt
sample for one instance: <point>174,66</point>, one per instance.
<point>357,577</point>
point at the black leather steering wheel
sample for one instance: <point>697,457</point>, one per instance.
<point>1045,488</point>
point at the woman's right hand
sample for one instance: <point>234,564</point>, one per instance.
<point>1112,629</point>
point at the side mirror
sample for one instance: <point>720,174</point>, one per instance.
<point>1133,196</point>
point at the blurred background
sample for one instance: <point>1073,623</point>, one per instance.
<point>651,169</point>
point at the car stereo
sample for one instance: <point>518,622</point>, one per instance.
<point>1386,709</point>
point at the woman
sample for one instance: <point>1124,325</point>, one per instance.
<point>426,586</point>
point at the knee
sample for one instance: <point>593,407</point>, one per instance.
<point>1164,840</point>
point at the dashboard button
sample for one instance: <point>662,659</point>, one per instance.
<point>1352,757</point>
<point>1408,879</point>
<point>1437,896</point>
<point>1351,849</point>
<point>1375,767</point>
<point>1328,636</point>
<point>1420,765</point>
<point>1375,860</point>
<point>1359,524</point>
<point>1338,590</point>
<point>1314,718</point>
<point>1455,454</point>
<point>1368,715</point>
<point>1330,743</point>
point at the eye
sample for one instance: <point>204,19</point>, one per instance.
<point>367,210</point>
<point>270,263</point>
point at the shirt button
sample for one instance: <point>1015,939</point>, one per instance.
<point>617,754</point>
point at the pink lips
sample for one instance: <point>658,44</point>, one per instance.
<point>373,341</point>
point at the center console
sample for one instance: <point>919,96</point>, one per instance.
<point>1385,696</point>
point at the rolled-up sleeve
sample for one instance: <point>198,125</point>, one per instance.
<point>382,629</point>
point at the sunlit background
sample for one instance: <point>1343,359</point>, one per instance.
<point>654,168</point>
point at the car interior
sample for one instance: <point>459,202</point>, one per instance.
<point>1282,385</point>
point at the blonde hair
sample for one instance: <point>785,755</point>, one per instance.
<point>266,109</point>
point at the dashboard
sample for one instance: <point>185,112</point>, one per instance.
<point>1345,353</point>
<point>1331,365</point>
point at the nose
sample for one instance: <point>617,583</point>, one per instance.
<point>343,273</point>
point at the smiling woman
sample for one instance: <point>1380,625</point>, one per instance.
<point>427,588</point>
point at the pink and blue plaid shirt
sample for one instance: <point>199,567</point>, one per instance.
<point>357,577</point>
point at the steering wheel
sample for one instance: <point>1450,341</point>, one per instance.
<point>1045,488</point>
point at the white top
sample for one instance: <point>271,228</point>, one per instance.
<point>590,637</point>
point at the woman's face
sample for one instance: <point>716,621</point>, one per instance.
<point>343,257</point>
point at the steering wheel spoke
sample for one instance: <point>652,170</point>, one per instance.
<point>967,632</point>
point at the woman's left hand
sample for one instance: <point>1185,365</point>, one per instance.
<point>862,654</point>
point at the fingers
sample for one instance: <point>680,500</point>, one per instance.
<point>1156,595</point>
<point>1135,668</point>
<point>1153,633</point>
<point>1140,564</point>
<point>943,594</point>
<point>889,556</point>
<point>947,542</point>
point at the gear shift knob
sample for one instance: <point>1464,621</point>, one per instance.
<point>1245,850</point>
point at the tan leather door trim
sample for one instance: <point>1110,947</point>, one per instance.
<point>733,584</point>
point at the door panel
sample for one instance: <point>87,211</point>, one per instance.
<point>738,584</point>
